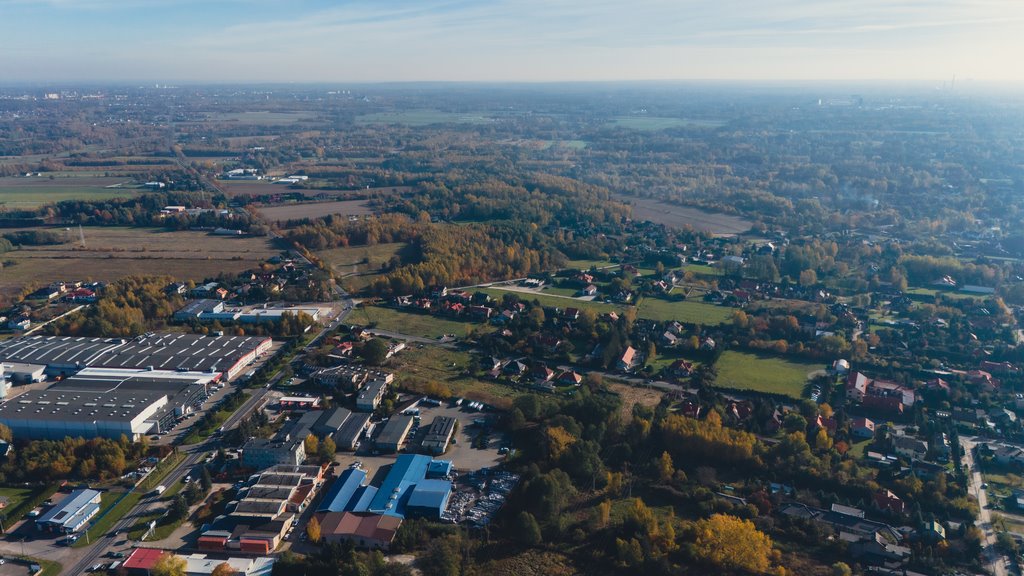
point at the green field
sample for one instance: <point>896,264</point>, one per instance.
<point>653,123</point>
<point>14,497</point>
<point>588,264</point>
<point>422,118</point>
<point>763,373</point>
<point>30,197</point>
<point>650,308</point>
<point>111,513</point>
<point>411,323</point>
<point>703,269</point>
<point>689,311</point>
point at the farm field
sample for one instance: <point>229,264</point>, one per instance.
<point>316,210</point>
<point>21,193</point>
<point>588,264</point>
<point>411,323</point>
<point>421,118</point>
<point>679,216</point>
<point>763,373</point>
<point>653,123</point>
<point>112,253</point>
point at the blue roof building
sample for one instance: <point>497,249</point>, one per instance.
<point>72,513</point>
<point>429,498</point>
<point>341,492</point>
<point>439,469</point>
<point>360,501</point>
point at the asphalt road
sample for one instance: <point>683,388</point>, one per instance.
<point>996,561</point>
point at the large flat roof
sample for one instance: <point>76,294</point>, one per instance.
<point>79,405</point>
<point>395,430</point>
<point>159,351</point>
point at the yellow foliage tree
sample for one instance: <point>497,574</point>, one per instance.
<point>312,445</point>
<point>558,440</point>
<point>169,565</point>
<point>313,530</point>
<point>733,544</point>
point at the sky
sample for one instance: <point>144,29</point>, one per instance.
<point>271,41</point>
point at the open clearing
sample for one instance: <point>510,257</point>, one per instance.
<point>115,252</point>
<point>679,216</point>
<point>650,308</point>
<point>422,118</point>
<point>763,373</point>
<point>21,192</point>
<point>315,210</point>
<point>652,123</point>
<point>415,366</point>
<point>358,266</point>
<point>260,118</point>
<point>411,323</point>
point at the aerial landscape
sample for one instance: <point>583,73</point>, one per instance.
<point>396,318</point>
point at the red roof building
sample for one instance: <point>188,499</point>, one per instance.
<point>375,531</point>
<point>142,560</point>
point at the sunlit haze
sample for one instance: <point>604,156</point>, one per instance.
<point>500,40</point>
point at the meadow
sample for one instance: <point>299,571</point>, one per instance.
<point>763,373</point>
<point>17,192</point>
<point>411,323</point>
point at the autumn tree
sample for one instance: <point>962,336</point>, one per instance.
<point>311,445</point>
<point>731,543</point>
<point>313,530</point>
<point>223,569</point>
<point>169,564</point>
<point>527,530</point>
<point>665,467</point>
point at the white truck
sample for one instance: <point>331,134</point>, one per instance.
<point>159,490</point>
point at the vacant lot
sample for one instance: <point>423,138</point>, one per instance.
<point>422,118</point>
<point>415,366</point>
<point>20,192</point>
<point>315,210</point>
<point>679,216</point>
<point>410,323</point>
<point>357,266</point>
<point>762,373</point>
<point>112,253</point>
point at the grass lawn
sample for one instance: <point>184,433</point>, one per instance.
<point>15,496</point>
<point>763,373</point>
<point>689,311</point>
<point>588,264</point>
<point>560,291</point>
<point>858,448</point>
<point>411,323</point>
<point>162,470</point>
<point>50,568</point>
<point>703,269</point>
<point>552,300</point>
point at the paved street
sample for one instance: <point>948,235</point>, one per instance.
<point>996,561</point>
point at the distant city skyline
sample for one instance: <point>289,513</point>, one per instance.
<point>504,40</point>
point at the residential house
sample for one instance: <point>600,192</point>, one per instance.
<point>909,447</point>
<point>680,368</point>
<point>628,360</point>
<point>862,428</point>
<point>886,501</point>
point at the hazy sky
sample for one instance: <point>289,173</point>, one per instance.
<point>493,40</point>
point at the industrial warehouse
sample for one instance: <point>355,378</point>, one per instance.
<point>114,387</point>
<point>369,517</point>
